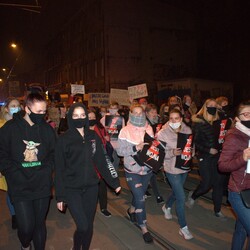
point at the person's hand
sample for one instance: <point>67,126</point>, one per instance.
<point>140,146</point>
<point>213,151</point>
<point>117,190</point>
<point>60,205</point>
<point>246,154</point>
<point>107,138</point>
<point>177,151</point>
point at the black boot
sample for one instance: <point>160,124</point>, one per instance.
<point>13,222</point>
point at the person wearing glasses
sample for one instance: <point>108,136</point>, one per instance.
<point>78,152</point>
<point>233,159</point>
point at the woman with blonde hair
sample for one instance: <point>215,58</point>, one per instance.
<point>207,150</point>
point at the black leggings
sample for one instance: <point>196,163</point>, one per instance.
<point>210,178</point>
<point>82,206</point>
<point>30,216</point>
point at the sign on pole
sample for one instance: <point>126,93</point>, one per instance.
<point>77,89</point>
<point>120,96</point>
<point>137,91</point>
<point>98,99</point>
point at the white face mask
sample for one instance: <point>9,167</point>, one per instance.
<point>174,125</point>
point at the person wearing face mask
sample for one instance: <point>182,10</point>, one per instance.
<point>102,187</point>
<point>12,106</point>
<point>175,176</point>
<point>113,124</point>
<point>154,121</point>
<point>233,159</point>
<point>26,160</point>
<point>208,144</point>
<point>164,113</point>
<point>224,108</point>
<point>79,151</point>
<point>189,109</point>
<point>131,140</point>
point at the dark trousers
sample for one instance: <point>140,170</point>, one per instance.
<point>82,206</point>
<point>210,178</point>
<point>102,194</point>
<point>154,185</point>
<point>30,216</point>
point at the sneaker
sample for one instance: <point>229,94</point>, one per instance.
<point>190,202</point>
<point>167,212</point>
<point>185,233</point>
<point>220,215</point>
<point>131,216</point>
<point>147,237</point>
<point>159,200</point>
<point>147,195</point>
<point>106,213</point>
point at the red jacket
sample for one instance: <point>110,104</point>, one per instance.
<point>231,160</point>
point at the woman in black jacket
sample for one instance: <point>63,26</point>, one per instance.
<point>78,151</point>
<point>207,146</point>
<point>27,145</point>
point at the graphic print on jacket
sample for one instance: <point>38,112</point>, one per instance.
<point>30,154</point>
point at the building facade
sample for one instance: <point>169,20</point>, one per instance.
<point>115,44</point>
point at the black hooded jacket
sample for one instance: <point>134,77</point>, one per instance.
<point>27,158</point>
<point>76,158</point>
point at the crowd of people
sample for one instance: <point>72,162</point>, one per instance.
<point>78,151</point>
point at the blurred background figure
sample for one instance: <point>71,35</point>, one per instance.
<point>12,106</point>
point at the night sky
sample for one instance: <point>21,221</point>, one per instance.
<point>223,24</point>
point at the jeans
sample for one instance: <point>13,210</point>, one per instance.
<point>177,181</point>
<point>242,225</point>
<point>138,185</point>
<point>210,178</point>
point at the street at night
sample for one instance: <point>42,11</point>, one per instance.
<point>116,232</point>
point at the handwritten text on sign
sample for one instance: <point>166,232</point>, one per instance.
<point>138,91</point>
<point>77,89</point>
<point>98,99</point>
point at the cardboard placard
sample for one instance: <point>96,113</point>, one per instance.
<point>138,91</point>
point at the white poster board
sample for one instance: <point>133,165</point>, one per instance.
<point>138,91</point>
<point>77,89</point>
<point>98,99</point>
<point>120,96</point>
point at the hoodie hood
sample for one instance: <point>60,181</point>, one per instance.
<point>70,113</point>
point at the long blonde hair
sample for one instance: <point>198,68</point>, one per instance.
<point>203,111</point>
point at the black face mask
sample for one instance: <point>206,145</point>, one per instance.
<point>246,123</point>
<point>226,108</point>
<point>211,110</point>
<point>79,123</point>
<point>36,118</point>
<point>166,113</point>
<point>185,107</point>
<point>92,122</point>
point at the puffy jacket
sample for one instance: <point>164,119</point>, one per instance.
<point>231,159</point>
<point>129,137</point>
<point>204,138</point>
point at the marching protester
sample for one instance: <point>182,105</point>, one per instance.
<point>176,172</point>
<point>79,151</point>
<point>26,160</point>
<point>209,133</point>
<point>235,158</point>
<point>131,140</point>
<point>101,132</point>
<point>12,106</point>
